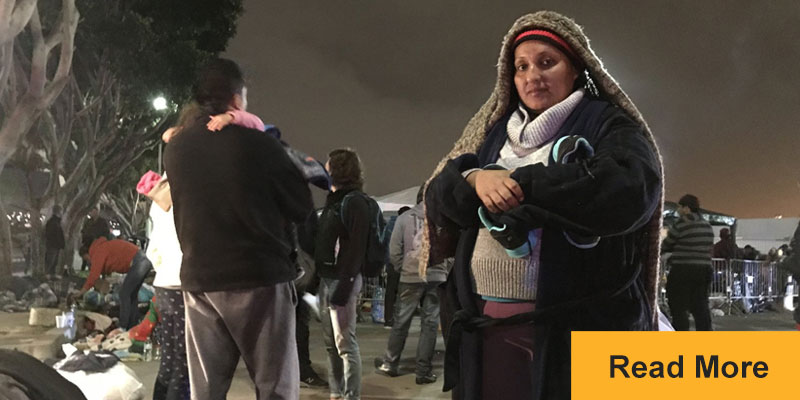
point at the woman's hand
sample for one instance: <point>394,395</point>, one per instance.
<point>496,189</point>
<point>219,121</point>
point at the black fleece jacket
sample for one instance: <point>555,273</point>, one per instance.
<point>349,225</point>
<point>613,196</point>
<point>235,194</point>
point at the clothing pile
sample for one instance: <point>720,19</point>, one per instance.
<point>10,304</point>
<point>42,296</point>
<point>100,375</point>
<point>102,333</point>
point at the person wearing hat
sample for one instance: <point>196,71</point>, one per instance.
<point>510,336</point>
<point>690,240</point>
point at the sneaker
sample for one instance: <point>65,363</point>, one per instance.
<point>384,368</point>
<point>313,381</point>
<point>426,379</point>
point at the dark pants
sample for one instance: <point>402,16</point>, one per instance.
<point>687,292</point>
<point>173,373</point>
<point>51,260</point>
<point>410,295</point>
<point>390,297</point>
<point>254,324</point>
<point>447,301</point>
<point>302,317</point>
<point>129,292</point>
<point>507,354</point>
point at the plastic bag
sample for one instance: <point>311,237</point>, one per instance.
<point>118,383</point>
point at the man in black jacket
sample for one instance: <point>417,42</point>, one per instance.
<point>339,254</point>
<point>54,241</point>
<point>235,193</point>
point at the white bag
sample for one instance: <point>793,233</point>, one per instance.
<point>118,383</point>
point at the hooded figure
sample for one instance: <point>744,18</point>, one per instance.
<point>510,335</point>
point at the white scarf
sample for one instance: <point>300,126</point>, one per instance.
<point>526,134</point>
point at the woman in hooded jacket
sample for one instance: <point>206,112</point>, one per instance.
<point>551,204</point>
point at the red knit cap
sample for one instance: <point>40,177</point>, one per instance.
<point>551,39</point>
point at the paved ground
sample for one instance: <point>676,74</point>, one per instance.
<point>372,339</point>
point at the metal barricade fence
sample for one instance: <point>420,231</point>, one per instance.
<point>372,294</point>
<point>734,280</point>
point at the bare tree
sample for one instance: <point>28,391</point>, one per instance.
<point>26,89</point>
<point>130,208</point>
<point>91,143</point>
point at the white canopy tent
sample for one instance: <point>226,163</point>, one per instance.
<point>765,233</point>
<point>394,201</point>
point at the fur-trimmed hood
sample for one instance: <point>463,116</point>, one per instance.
<point>504,96</point>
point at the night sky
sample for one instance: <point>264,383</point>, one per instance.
<point>398,80</point>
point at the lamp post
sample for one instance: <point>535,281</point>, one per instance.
<point>160,104</point>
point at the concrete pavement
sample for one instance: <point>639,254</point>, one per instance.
<point>14,333</point>
<point>372,342</point>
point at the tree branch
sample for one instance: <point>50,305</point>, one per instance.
<point>14,16</point>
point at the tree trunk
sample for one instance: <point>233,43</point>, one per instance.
<point>37,244</point>
<point>5,248</point>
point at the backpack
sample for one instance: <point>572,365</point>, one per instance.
<point>376,243</point>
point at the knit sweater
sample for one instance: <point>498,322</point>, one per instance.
<point>690,241</point>
<point>107,256</point>
<point>495,274</point>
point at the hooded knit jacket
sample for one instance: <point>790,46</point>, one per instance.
<point>617,196</point>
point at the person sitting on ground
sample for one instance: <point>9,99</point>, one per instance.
<point>106,256</point>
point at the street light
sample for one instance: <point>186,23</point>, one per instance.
<point>160,103</point>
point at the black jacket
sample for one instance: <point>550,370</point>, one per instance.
<point>613,196</point>
<point>235,194</point>
<point>350,230</point>
<point>53,234</point>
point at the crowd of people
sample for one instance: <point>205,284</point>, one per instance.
<point>543,219</point>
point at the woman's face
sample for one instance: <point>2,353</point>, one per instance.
<point>543,75</point>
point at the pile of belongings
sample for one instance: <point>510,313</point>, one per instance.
<point>10,304</point>
<point>100,375</point>
<point>129,346</point>
<point>22,377</point>
<point>40,297</point>
<point>26,293</point>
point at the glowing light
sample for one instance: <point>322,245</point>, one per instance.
<point>160,103</point>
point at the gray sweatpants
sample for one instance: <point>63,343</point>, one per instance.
<point>256,324</point>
